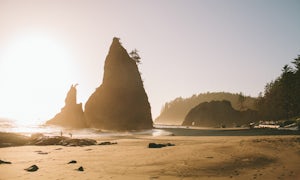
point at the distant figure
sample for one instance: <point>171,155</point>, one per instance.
<point>70,135</point>
<point>61,133</point>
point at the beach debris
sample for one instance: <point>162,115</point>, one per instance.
<point>107,143</point>
<point>32,168</point>
<point>58,149</point>
<point>80,169</point>
<point>72,162</point>
<point>154,145</point>
<point>4,162</point>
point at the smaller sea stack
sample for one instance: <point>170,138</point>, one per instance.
<point>71,114</point>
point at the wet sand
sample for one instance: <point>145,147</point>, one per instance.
<point>192,157</point>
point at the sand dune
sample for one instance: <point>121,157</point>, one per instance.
<point>222,157</point>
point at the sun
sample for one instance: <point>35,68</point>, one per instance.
<point>35,72</point>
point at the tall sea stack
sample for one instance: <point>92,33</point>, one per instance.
<point>71,114</point>
<point>120,102</point>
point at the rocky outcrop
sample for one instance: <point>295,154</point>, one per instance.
<point>71,114</point>
<point>174,112</point>
<point>60,140</point>
<point>12,139</point>
<point>120,103</point>
<point>218,114</point>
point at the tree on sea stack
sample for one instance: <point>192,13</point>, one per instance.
<point>135,56</point>
<point>120,102</point>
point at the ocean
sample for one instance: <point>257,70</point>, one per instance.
<point>7,125</point>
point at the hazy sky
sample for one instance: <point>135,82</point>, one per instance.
<point>187,47</point>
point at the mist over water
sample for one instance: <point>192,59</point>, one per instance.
<point>7,125</point>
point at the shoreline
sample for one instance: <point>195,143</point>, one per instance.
<point>191,157</point>
<point>230,132</point>
<point>18,139</point>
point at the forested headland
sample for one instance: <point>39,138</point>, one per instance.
<point>279,101</point>
<point>174,112</point>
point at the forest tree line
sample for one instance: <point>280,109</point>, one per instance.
<point>281,97</point>
<point>279,101</point>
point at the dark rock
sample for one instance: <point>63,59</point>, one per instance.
<point>209,157</point>
<point>46,140</point>
<point>107,143</point>
<point>80,169</point>
<point>218,114</point>
<point>71,114</point>
<point>72,162</point>
<point>154,145</point>
<point>32,168</point>
<point>12,139</point>
<point>4,162</point>
<point>169,144</point>
<point>120,103</point>
<point>62,140</point>
<point>79,142</point>
<point>43,153</point>
<point>36,136</point>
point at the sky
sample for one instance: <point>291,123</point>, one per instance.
<point>186,46</point>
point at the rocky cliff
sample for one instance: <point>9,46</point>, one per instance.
<point>217,114</point>
<point>120,103</point>
<point>71,114</point>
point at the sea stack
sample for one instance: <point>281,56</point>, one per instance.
<point>71,114</point>
<point>120,102</point>
<point>218,114</point>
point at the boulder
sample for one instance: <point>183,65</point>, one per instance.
<point>4,162</point>
<point>32,168</point>
<point>154,145</point>
<point>80,169</point>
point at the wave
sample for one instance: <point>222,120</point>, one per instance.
<point>7,125</point>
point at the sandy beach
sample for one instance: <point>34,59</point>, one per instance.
<point>192,157</point>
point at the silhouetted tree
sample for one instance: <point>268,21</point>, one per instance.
<point>241,100</point>
<point>281,97</point>
<point>135,56</point>
<point>296,63</point>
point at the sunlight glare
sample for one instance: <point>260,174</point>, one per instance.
<point>35,73</point>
